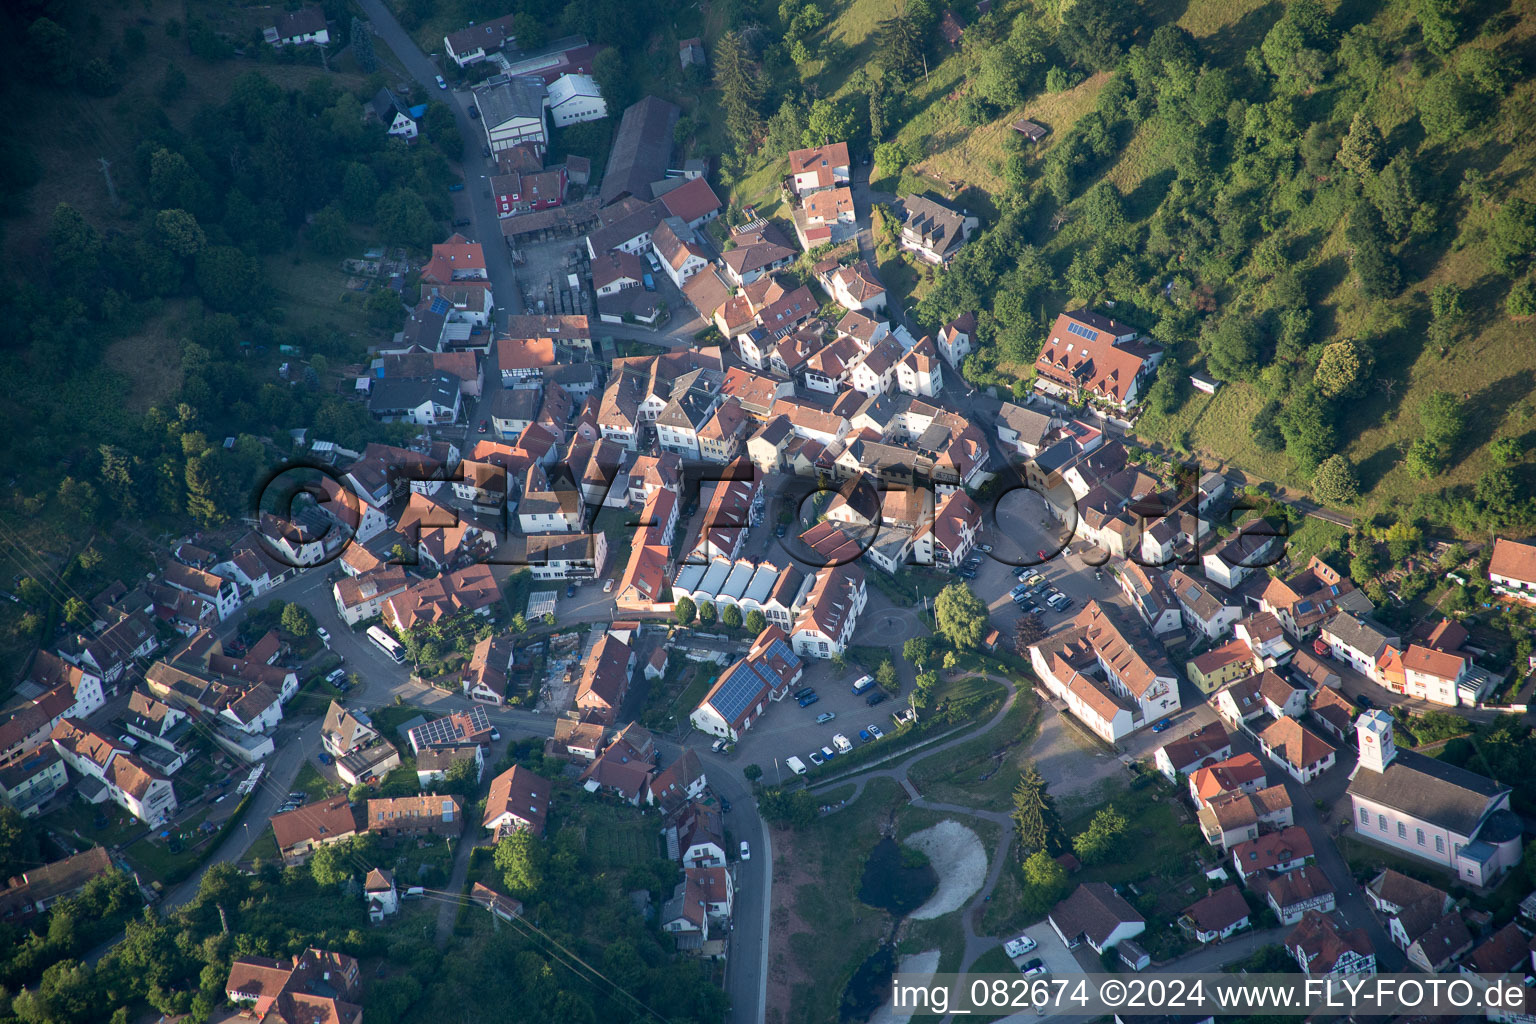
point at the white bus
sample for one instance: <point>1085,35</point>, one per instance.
<point>386,643</point>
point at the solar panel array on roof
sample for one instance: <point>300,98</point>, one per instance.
<point>440,305</point>
<point>1082,332</point>
<point>442,731</point>
<point>739,689</point>
<point>781,649</point>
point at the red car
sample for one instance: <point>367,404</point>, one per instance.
<point>483,426</point>
<point>1041,554</point>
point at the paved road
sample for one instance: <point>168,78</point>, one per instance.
<point>485,225</point>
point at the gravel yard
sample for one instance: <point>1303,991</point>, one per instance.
<point>960,862</point>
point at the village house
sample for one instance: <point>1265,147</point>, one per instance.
<point>32,892</point>
<point>624,768</point>
<point>518,799</point>
<point>305,26</point>
<point>824,167</point>
<point>414,816</point>
<point>1512,569</point>
<point>476,42</point>
<point>1234,775</point>
<point>299,832</point>
<point>1217,916</point>
<point>512,112</point>
<point>1293,894</point>
<point>933,230</point>
<point>1088,355</point>
<point>1324,950</point>
<point>345,730</point>
<point>745,689</point>
<point>110,772</point>
<point>1275,853</point>
<point>1205,746</point>
<point>313,987</point>
<point>434,763</point>
<point>1300,751</point>
<point>1097,915</point>
<point>604,681</point>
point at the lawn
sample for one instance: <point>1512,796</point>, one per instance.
<point>677,693</point>
<point>982,772</point>
<point>154,856</point>
<point>78,819</point>
<point>311,782</point>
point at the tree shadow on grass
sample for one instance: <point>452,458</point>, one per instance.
<point>1375,468</point>
<point>1143,200</point>
<point>1485,409</point>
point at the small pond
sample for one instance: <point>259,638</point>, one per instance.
<point>897,878</point>
<point>870,985</point>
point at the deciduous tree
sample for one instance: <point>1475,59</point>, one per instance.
<point>961,617</point>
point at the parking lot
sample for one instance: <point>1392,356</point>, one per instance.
<point>788,730</point>
<point>1018,529</point>
<point>1058,959</point>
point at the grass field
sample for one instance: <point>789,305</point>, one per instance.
<point>982,772</point>
<point>617,837</point>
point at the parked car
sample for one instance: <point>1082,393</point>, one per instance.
<point>570,590</point>
<point>440,83</point>
<point>1019,946</point>
<point>1365,702</point>
<point>1034,968</point>
<point>608,586</point>
<point>298,796</point>
<point>804,691</point>
<point>966,574</point>
<point>474,112</point>
<point>808,700</point>
<point>484,426</point>
<point>1163,725</point>
<point>984,547</point>
<point>825,717</point>
<point>746,851</point>
<point>828,753</point>
<point>495,734</point>
<point>336,674</point>
<point>780,530</point>
<point>128,741</point>
<point>324,636</point>
<point>325,758</point>
<point>717,746</point>
<point>874,731</point>
<point>875,698</point>
<point>817,759</point>
<point>457,186</point>
<point>462,222</point>
<point>487,151</point>
<point>864,736</point>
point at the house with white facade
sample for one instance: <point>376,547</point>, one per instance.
<point>1429,809</point>
<point>825,621</point>
<point>1512,569</point>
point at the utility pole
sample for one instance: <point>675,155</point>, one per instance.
<point>106,170</point>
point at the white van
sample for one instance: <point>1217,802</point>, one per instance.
<point>795,765</point>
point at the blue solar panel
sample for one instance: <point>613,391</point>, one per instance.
<point>738,690</point>
<point>1082,332</point>
<point>440,306</point>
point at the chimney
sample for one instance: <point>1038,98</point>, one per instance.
<point>1374,732</point>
